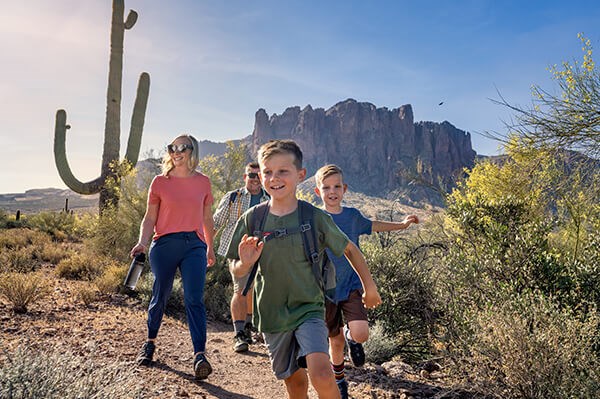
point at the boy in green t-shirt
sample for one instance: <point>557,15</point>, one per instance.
<point>288,301</point>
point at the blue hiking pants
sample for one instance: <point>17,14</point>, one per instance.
<point>188,253</point>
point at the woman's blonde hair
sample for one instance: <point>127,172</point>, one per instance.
<point>167,163</point>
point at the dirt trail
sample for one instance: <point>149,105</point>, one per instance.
<point>115,328</point>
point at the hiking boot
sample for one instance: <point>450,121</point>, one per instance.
<point>249,331</point>
<point>343,387</point>
<point>355,350</point>
<point>202,367</point>
<point>146,353</point>
<point>241,342</point>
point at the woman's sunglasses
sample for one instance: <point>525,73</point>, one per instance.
<point>178,147</point>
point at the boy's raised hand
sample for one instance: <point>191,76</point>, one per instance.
<point>249,249</point>
<point>410,219</point>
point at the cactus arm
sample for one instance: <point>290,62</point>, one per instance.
<point>137,119</point>
<point>62,164</point>
<point>131,19</point>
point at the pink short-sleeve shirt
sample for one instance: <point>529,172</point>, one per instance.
<point>181,202</point>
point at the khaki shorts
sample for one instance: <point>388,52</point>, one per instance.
<point>288,349</point>
<point>351,309</point>
<point>239,283</point>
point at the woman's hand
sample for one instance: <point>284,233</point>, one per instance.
<point>211,259</point>
<point>139,248</point>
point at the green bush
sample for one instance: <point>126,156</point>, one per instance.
<point>218,291</point>
<point>82,266</point>
<point>112,277</point>
<point>118,229</point>
<point>56,372</point>
<point>527,346</point>
<point>409,310</point>
<point>60,225</point>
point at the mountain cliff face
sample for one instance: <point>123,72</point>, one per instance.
<point>380,150</point>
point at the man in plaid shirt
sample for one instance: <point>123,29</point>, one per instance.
<point>232,206</point>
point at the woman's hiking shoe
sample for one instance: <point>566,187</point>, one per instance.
<point>241,341</point>
<point>343,387</point>
<point>146,353</point>
<point>202,367</point>
<point>355,350</point>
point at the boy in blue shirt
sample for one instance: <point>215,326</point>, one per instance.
<point>288,300</point>
<point>347,302</point>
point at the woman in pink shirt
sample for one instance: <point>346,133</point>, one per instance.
<point>179,219</point>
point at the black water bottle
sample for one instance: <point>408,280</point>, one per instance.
<point>135,270</point>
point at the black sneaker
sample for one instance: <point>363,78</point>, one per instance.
<point>343,387</point>
<point>249,331</point>
<point>202,367</point>
<point>146,353</point>
<point>355,350</point>
<point>241,342</point>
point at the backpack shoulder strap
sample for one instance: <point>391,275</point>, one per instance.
<point>258,217</point>
<point>309,238</point>
<point>233,195</point>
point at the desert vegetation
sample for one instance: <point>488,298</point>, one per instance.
<point>500,290</point>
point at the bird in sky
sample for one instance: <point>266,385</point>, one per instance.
<point>441,103</point>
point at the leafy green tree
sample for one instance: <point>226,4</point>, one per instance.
<point>225,172</point>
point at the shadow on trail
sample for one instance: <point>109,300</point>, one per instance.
<point>210,388</point>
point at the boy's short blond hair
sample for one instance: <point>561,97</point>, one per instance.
<point>326,171</point>
<point>275,147</point>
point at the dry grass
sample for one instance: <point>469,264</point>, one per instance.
<point>21,290</point>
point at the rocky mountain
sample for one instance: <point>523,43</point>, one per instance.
<point>380,150</point>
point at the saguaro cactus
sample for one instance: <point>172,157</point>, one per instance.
<point>112,126</point>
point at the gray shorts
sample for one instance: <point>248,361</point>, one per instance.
<point>239,283</point>
<point>288,348</point>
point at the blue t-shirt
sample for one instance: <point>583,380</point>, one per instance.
<point>354,224</point>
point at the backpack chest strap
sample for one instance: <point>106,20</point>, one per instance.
<point>267,236</point>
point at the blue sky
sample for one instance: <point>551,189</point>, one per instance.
<point>212,64</point>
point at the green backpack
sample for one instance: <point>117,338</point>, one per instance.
<point>323,271</point>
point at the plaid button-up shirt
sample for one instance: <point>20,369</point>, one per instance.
<point>229,212</point>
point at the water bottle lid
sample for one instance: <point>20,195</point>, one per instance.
<point>141,257</point>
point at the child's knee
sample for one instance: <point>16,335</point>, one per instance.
<point>359,332</point>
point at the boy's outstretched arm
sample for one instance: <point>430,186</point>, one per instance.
<point>371,297</point>
<point>380,225</point>
<point>249,251</point>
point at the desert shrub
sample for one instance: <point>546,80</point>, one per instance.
<point>217,291</point>
<point>19,260</point>
<point>3,218</point>
<point>380,347</point>
<point>409,308</point>
<point>87,294</point>
<point>112,277</point>
<point>21,290</point>
<point>118,228</point>
<point>58,373</point>
<point>528,346</point>
<point>52,253</point>
<point>61,226</point>
<point>84,266</point>
<point>22,237</point>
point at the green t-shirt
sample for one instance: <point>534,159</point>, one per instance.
<point>286,292</point>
